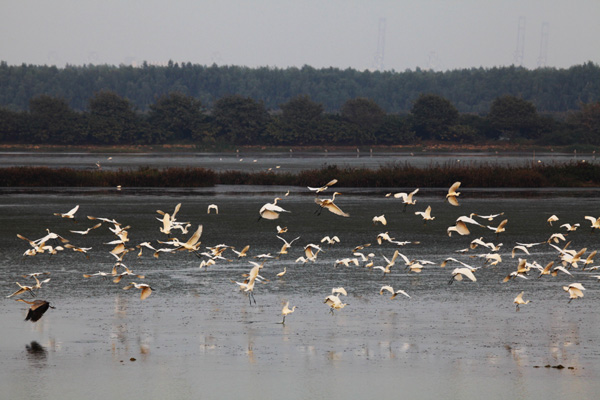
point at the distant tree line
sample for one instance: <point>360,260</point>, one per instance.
<point>471,90</point>
<point>110,119</point>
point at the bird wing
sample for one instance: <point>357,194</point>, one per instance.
<point>452,200</point>
<point>146,291</point>
<point>336,210</point>
<point>453,188</point>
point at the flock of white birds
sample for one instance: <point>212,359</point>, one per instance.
<point>567,260</point>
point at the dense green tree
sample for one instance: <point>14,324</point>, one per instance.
<point>239,120</point>
<point>177,117</point>
<point>433,116</point>
<point>12,124</point>
<point>112,119</point>
<point>53,121</point>
<point>300,119</point>
<point>364,116</point>
<point>395,130</point>
<point>470,90</point>
<point>587,122</point>
<point>514,117</point>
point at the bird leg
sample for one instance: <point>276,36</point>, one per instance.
<point>451,280</point>
<point>517,307</point>
<point>252,295</point>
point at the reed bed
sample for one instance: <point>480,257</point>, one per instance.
<point>576,174</point>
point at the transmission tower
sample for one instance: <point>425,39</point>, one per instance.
<point>378,61</point>
<point>543,58</point>
<point>520,52</point>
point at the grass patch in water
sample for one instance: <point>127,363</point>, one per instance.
<point>575,174</point>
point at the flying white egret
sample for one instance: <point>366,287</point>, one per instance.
<point>98,225</point>
<point>146,289</point>
<point>458,273</point>
<point>392,291</point>
<point>594,221</point>
<point>575,290</point>
<point>407,198</point>
<point>318,190</point>
<point>330,205</point>
<point>500,228</point>
<point>271,210</point>
<point>286,245</point>
<point>519,300</point>
<point>452,194</point>
<point>380,218</point>
<point>488,217</point>
<point>68,214</point>
<point>569,227</point>
<point>426,215</point>
<point>212,207</point>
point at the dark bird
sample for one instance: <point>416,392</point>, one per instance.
<point>37,309</point>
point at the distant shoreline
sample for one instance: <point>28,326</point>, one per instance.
<point>191,148</point>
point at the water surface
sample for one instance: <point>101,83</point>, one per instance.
<point>197,335</point>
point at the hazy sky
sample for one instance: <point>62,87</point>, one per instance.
<point>438,34</point>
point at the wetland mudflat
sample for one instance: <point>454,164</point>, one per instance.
<point>197,335</point>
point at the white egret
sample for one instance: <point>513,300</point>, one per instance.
<point>519,300</point>
<point>426,215</point>
<point>271,210</point>
<point>458,273</point>
<point>380,219</point>
<point>286,245</point>
<point>98,225</point>
<point>318,190</point>
<point>146,289</point>
<point>68,214</point>
<point>452,194</point>
<point>287,311</point>
<point>392,291</point>
<point>575,290</point>
<point>594,221</point>
<point>330,205</point>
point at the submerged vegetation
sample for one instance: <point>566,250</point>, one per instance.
<point>575,174</point>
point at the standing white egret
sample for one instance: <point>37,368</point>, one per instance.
<point>287,311</point>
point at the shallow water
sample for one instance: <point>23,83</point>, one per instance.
<point>197,335</point>
<point>292,161</point>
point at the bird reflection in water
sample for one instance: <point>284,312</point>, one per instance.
<point>36,354</point>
